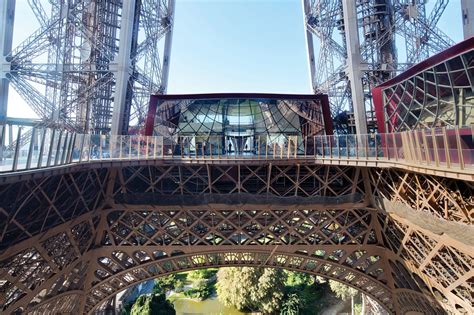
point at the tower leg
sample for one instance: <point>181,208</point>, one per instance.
<point>7,17</point>
<point>467,7</point>
<point>354,65</point>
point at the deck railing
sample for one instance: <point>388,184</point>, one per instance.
<point>436,148</point>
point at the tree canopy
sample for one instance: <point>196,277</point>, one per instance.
<point>156,304</point>
<point>251,288</point>
<point>342,291</point>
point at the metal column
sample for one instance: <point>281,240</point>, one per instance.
<point>309,45</point>
<point>167,50</point>
<point>354,65</point>
<point>7,17</point>
<point>467,7</point>
<point>122,73</point>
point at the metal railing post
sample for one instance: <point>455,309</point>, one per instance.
<point>139,147</point>
<point>120,137</point>
<point>314,146</point>
<point>366,146</point>
<point>65,145</point>
<point>376,153</point>
<point>266,149</point>
<point>427,149</point>
<point>330,146</point>
<point>446,148</point>
<point>100,147</point>
<point>459,147</point>
<point>418,146</point>
<point>51,145</point>
<point>357,141</point>
<point>81,150</point>
<point>2,136</point>
<point>387,153</point>
<point>395,148</point>
<point>435,147</point>
<point>70,150</point>
<point>348,155</point>
<point>31,148</point>
<point>17,150</point>
<point>40,154</point>
<point>147,146</point>
<point>162,147</point>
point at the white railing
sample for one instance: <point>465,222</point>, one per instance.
<point>437,148</point>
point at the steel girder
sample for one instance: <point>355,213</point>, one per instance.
<point>68,70</point>
<point>379,24</point>
<point>71,241</point>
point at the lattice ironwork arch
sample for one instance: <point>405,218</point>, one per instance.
<point>71,241</point>
<point>301,262</point>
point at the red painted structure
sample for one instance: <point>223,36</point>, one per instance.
<point>156,100</point>
<point>401,100</point>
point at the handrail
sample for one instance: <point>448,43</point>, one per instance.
<point>434,148</point>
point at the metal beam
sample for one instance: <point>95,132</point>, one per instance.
<point>22,121</point>
<point>354,65</point>
<point>167,50</point>
<point>7,17</point>
<point>467,7</point>
<point>122,73</point>
<point>309,45</point>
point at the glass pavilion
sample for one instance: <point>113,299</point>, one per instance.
<point>238,124</point>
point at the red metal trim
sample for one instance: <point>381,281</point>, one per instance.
<point>377,97</point>
<point>328,126</point>
<point>155,98</point>
<point>150,118</point>
<point>239,95</point>
<point>449,53</point>
<point>377,92</point>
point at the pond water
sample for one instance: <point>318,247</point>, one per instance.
<point>206,307</point>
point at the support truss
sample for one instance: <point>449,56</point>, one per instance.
<point>377,25</point>
<point>75,240</point>
<point>89,59</point>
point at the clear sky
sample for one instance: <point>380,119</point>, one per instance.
<point>232,46</point>
<point>239,45</point>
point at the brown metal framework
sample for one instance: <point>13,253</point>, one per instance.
<point>437,92</point>
<point>71,241</point>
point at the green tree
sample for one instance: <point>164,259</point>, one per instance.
<point>201,291</point>
<point>343,292</point>
<point>141,306</point>
<point>291,306</point>
<point>269,292</point>
<point>201,274</point>
<point>165,283</point>
<point>294,278</point>
<point>251,288</point>
<point>156,304</point>
<point>236,286</point>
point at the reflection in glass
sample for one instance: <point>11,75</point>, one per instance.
<point>240,126</point>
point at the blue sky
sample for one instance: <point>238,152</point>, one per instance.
<point>232,46</point>
<point>252,46</point>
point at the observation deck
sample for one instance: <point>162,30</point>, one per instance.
<point>236,180</point>
<point>442,152</point>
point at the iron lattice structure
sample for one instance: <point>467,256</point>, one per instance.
<point>91,65</point>
<point>363,43</point>
<point>71,239</point>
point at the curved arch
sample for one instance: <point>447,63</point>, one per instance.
<point>65,302</point>
<point>104,290</point>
